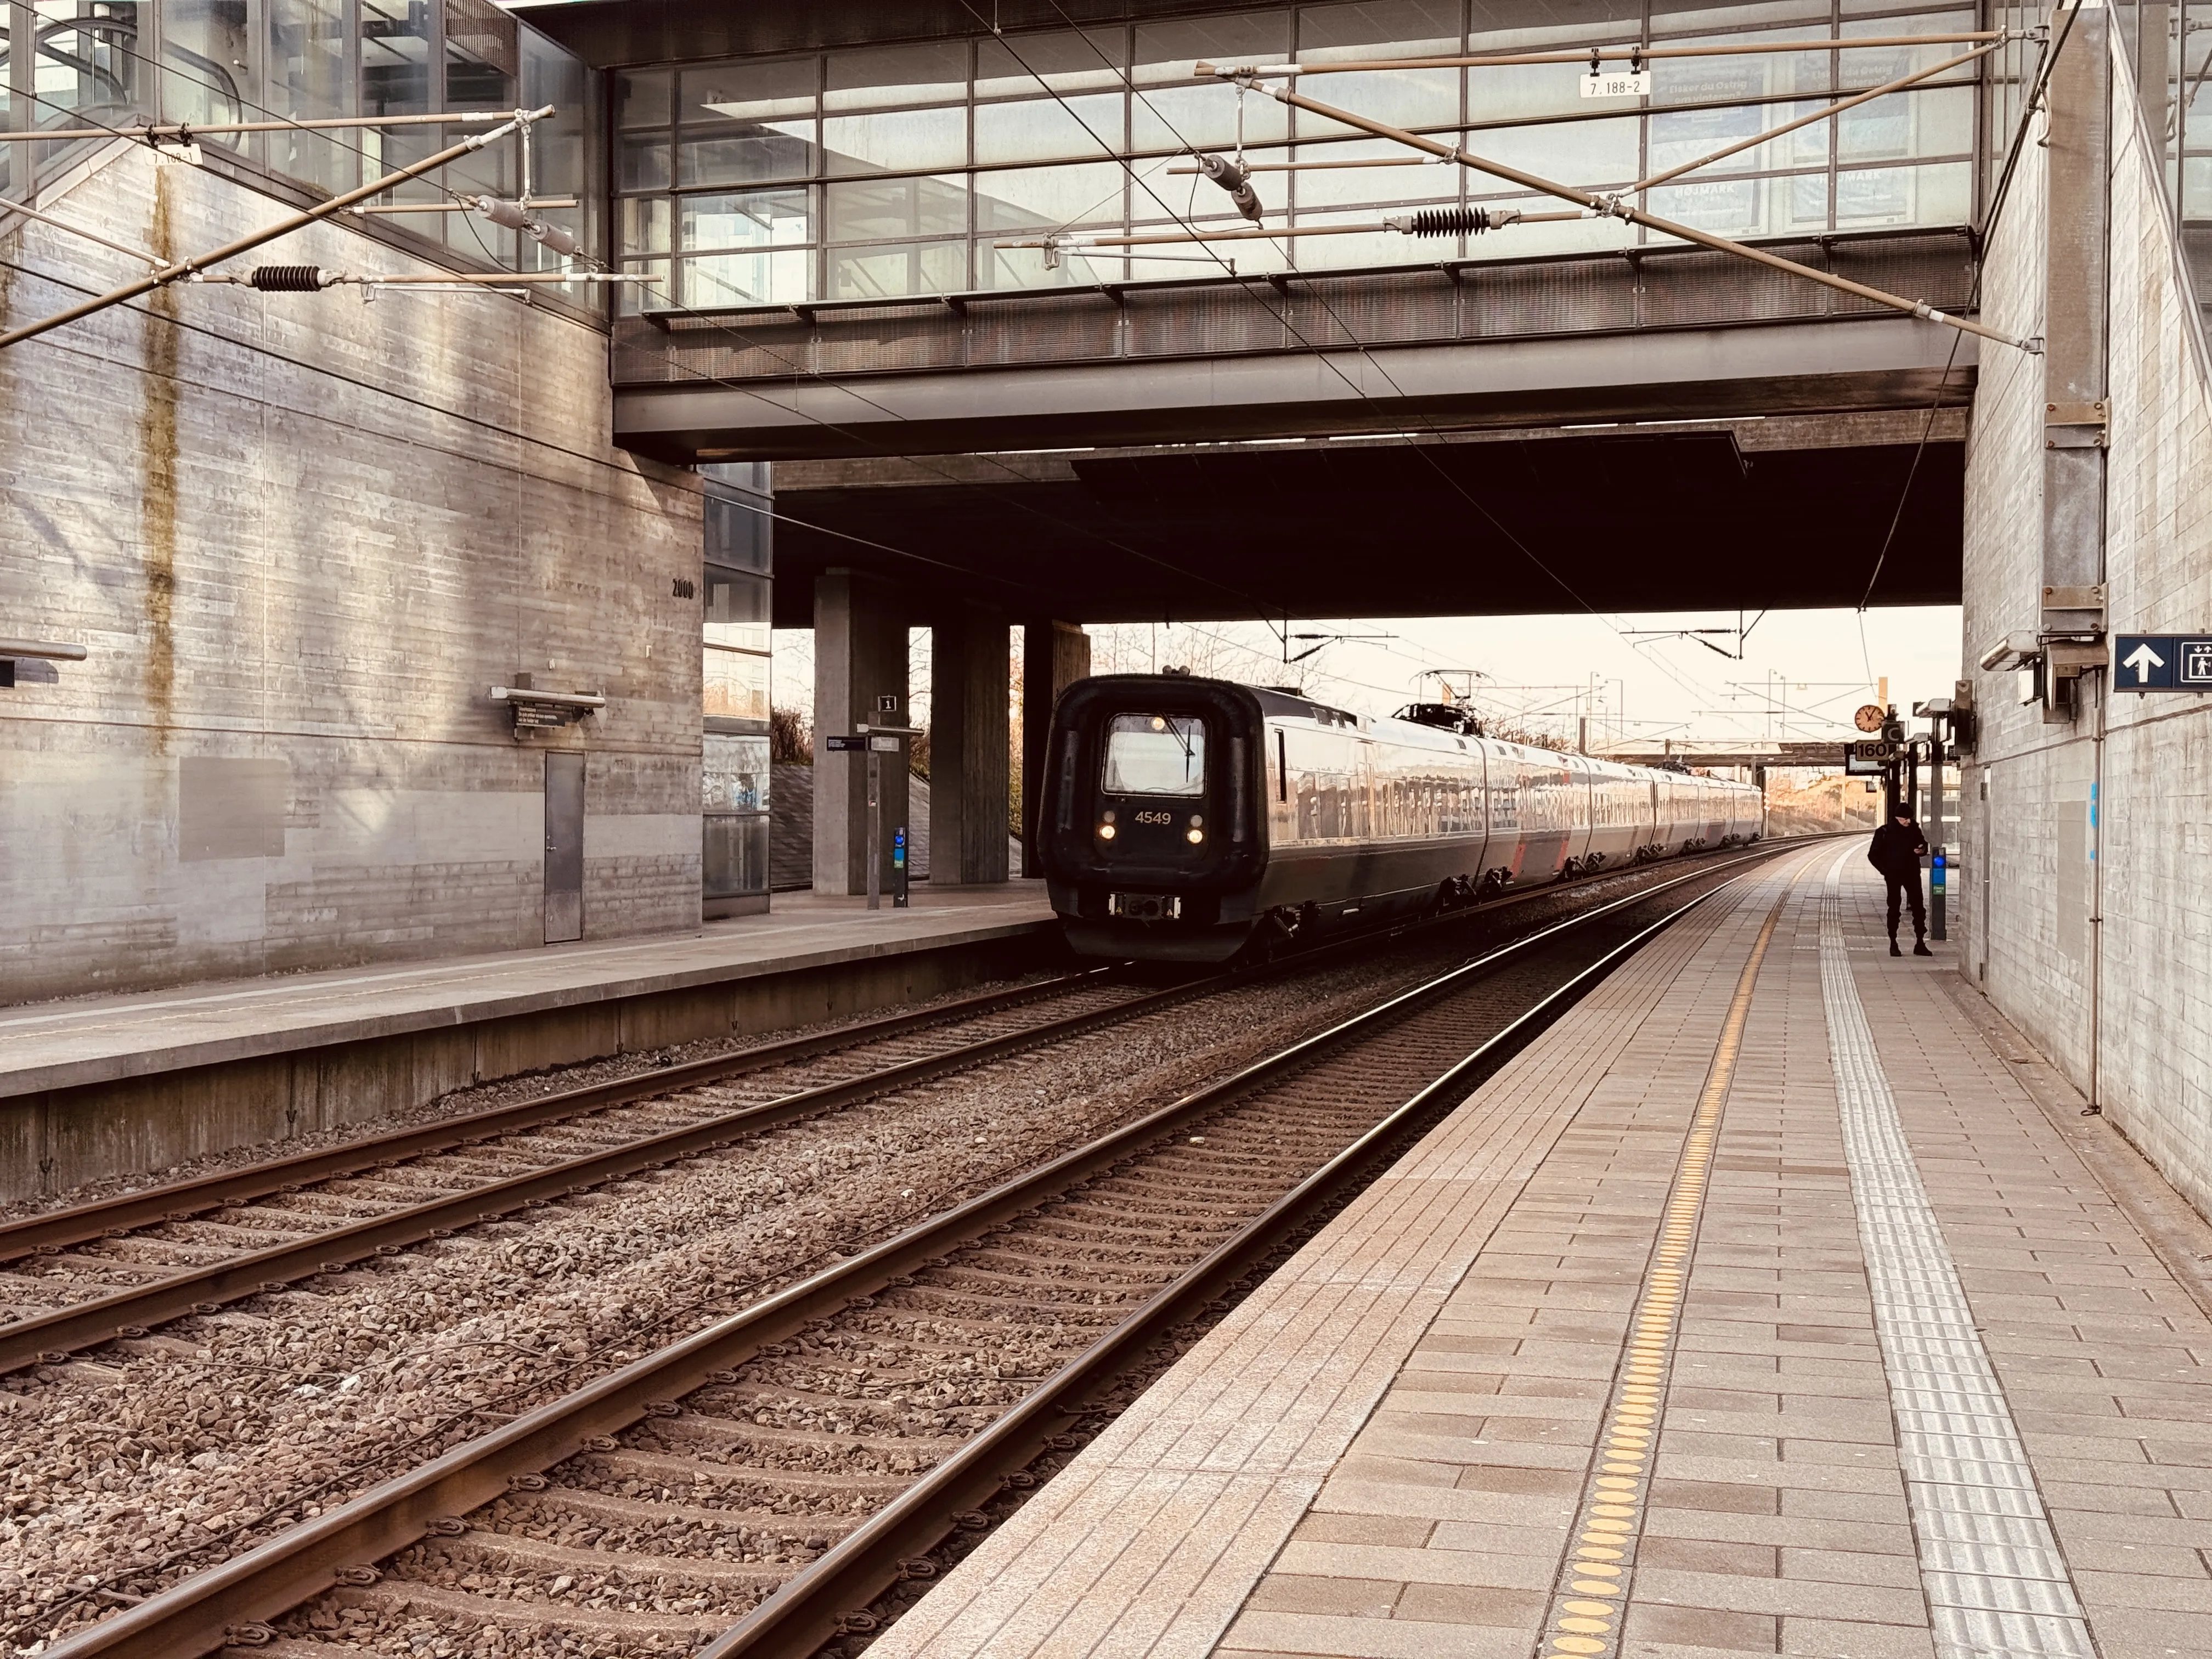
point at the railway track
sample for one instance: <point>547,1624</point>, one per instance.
<point>756,1483</point>
<point>115,1270</point>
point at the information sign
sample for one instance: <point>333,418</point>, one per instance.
<point>1618,84</point>
<point>2162,662</point>
<point>842,745</point>
<point>1868,759</point>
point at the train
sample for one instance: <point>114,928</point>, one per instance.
<point>1198,820</point>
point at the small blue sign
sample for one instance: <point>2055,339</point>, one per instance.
<point>2162,662</point>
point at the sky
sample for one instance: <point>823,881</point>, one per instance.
<point>1800,673</point>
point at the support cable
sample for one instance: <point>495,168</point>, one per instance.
<point>192,267</point>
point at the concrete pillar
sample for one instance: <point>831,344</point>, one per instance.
<point>970,734</point>
<point>859,660</point>
<point>1054,656</point>
<point>2077,275</point>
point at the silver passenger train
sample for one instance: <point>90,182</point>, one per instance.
<point>1189,819</point>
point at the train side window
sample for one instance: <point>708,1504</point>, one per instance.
<point>1282,765</point>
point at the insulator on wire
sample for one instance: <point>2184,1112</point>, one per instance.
<point>291,279</point>
<point>1453,221</point>
<point>1235,181</point>
<point>507,216</point>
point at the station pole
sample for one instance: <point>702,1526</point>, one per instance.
<point>875,829</point>
<point>1938,865</point>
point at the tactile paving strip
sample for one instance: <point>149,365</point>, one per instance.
<point>1590,1596</point>
<point>1997,1587</point>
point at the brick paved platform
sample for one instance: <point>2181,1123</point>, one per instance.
<point>1880,1363</point>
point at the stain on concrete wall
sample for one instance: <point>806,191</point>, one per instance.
<point>301,537</point>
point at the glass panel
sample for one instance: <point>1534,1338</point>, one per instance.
<point>1382,247</point>
<point>734,685</point>
<point>307,77</point>
<point>1938,122</point>
<point>733,856</point>
<point>1155,755</point>
<point>645,221</point>
<point>86,69</point>
<point>1408,178</point>
<point>1025,267</point>
<point>206,47</point>
<point>1404,98</point>
<point>1165,51</point>
<point>870,273</point>
<point>1512,25</point>
<point>1872,66</point>
<point>735,776</point>
<point>1068,62</point>
<point>1203,115</point>
<point>1559,236</point>
<point>752,476</point>
<point>737,605</point>
<point>1937,195</point>
<point>641,163</point>
<point>900,141</point>
<point>1677,17</point>
<point>1039,128</point>
<point>884,209</point>
<point>1728,207</point>
<point>745,279</point>
<point>749,91</point>
<point>1046,198</point>
<point>1511,92</point>
<point>565,148</point>
<point>482,61</point>
<point>882,78</point>
<point>747,155</point>
<point>395,57</point>
<point>756,218</point>
<point>739,534</point>
<point>1585,153</point>
<point>635,299</point>
<point>641,100</point>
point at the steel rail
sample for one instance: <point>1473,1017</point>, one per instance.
<point>182,1200</point>
<point>50,1338</point>
<point>202,1613</point>
<point>815,1604</point>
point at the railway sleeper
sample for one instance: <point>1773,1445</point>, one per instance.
<point>606,1509</point>
<point>697,1428</point>
<point>470,1613</point>
<point>513,1552</point>
<point>660,1468</point>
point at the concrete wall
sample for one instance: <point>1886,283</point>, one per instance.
<point>302,536</point>
<point>2089,906</point>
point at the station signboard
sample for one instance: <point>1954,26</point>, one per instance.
<point>1869,759</point>
<point>2162,662</point>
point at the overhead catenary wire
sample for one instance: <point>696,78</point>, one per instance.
<point>1629,52</point>
<point>191,266</point>
<point>1613,207</point>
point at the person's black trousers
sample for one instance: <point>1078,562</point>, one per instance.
<point>1906,888</point>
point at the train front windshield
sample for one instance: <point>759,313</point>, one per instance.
<point>1155,755</point>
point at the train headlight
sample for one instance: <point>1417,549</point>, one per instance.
<point>1105,832</point>
<point>1195,836</point>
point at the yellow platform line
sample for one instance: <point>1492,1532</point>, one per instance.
<point>1590,1598</point>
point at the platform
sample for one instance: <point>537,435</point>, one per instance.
<point>1775,1301</point>
<point>262,1057</point>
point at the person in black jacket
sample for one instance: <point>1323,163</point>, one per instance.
<point>1896,852</point>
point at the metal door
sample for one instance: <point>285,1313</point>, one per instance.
<point>564,848</point>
